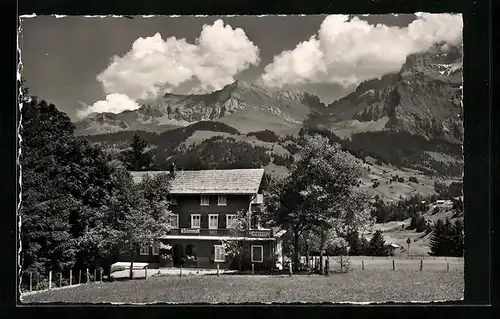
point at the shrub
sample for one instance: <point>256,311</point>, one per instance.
<point>413,179</point>
<point>433,198</point>
<point>440,188</point>
<point>345,264</point>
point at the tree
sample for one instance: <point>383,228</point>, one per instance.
<point>356,244</point>
<point>457,239</point>
<point>138,158</point>
<point>234,247</point>
<point>319,192</point>
<point>447,239</point>
<point>441,189</point>
<point>137,214</point>
<point>438,235</point>
<point>45,209</point>
<point>377,246</point>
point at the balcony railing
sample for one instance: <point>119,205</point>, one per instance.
<point>252,233</point>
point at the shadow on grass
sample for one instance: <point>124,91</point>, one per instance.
<point>125,279</point>
<point>270,273</point>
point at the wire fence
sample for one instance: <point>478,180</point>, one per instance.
<point>344,263</point>
<point>33,281</point>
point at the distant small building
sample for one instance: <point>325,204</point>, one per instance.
<point>393,247</point>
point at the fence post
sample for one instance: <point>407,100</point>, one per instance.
<point>253,269</point>
<point>291,270</point>
<point>180,271</point>
<point>79,276</point>
<point>100,274</point>
<point>327,265</point>
<point>362,264</point>
<point>146,272</point>
<point>31,281</point>
<point>88,276</point>
<point>60,279</point>
<point>217,269</point>
<point>341,264</point>
<point>393,265</point>
<point>71,277</point>
<point>447,266</point>
<point>50,279</point>
<point>421,264</point>
<point>95,274</point>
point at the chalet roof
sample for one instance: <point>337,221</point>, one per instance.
<point>226,181</point>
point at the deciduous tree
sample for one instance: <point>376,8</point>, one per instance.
<point>137,214</point>
<point>320,193</point>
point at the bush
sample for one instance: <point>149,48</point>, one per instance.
<point>440,188</point>
<point>376,184</point>
<point>345,264</point>
<point>413,179</point>
<point>434,198</point>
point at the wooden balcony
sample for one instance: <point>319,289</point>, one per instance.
<point>252,233</point>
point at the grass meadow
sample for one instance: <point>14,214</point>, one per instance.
<point>378,282</point>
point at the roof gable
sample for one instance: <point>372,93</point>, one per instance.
<point>230,181</point>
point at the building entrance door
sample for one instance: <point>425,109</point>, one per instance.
<point>178,254</point>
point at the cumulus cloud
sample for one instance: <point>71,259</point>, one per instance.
<point>114,103</point>
<point>347,52</point>
<point>154,66</point>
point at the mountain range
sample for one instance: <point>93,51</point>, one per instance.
<point>411,118</point>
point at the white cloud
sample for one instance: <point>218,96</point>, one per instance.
<point>154,66</point>
<point>114,103</point>
<point>348,52</point>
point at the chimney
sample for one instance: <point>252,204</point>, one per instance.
<point>172,169</point>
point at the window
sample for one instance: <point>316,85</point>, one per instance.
<point>213,221</point>
<point>195,220</point>
<point>156,249</point>
<point>220,253</point>
<point>173,200</point>
<point>204,200</point>
<point>144,249</point>
<point>257,253</point>
<point>221,200</point>
<point>230,219</point>
<point>174,219</point>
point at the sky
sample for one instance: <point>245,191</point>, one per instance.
<point>85,65</point>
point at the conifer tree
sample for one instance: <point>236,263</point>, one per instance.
<point>138,158</point>
<point>355,244</point>
<point>377,246</point>
<point>457,239</point>
<point>436,242</point>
